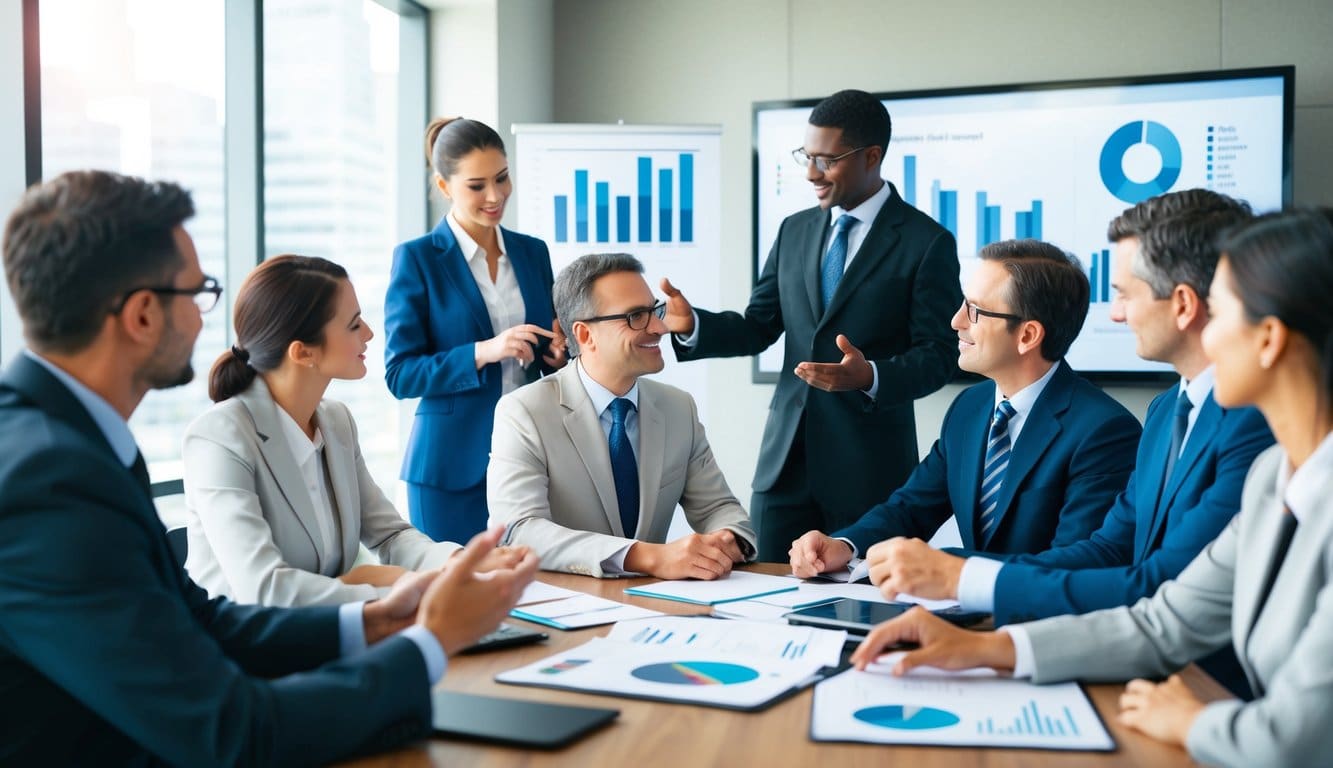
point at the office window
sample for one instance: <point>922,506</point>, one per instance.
<point>331,160</point>
<point>136,86</point>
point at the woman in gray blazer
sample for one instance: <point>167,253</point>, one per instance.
<point>1264,585</point>
<point>277,491</point>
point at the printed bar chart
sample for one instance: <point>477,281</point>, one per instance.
<point>593,218</point>
<point>1032,723</point>
<point>1028,223</point>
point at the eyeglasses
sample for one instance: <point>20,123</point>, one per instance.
<point>974,313</point>
<point>636,319</point>
<point>822,162</point>
<point>205,297</point>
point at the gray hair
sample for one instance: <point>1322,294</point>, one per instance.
<point>1178,236</point>
<point>573,288</point>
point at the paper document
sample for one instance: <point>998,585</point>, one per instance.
<point>581,611</point>
<point>844,586</point>
<point>958,710</point>
<point>753,640</point>
<point>737,585</point>
<point>751,610</point>
<point>668,672</point>
<point>538,592</point>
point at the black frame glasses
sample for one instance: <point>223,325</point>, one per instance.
<point>822,162</point>
<point>636,319</point>
<point>205,297</point>
<point>975,313</point>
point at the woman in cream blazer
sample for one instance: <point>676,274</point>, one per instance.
<point>278,494</point>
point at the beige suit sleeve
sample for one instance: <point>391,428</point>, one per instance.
<point>383,530</point>
<point>707,500</point>
<point>220,492</point>
<point>517,494</point>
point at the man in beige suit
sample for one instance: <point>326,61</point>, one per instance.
<point>587,466</point>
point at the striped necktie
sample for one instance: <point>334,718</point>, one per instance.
<point>997,461</point>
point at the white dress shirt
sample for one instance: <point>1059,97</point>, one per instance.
<point>503,299</point>
<point>309,456</point>
<point>976,583</point>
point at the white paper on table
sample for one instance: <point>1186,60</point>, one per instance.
<point>751,640</point>
<point>951,710</point>
<point>594,618</point>
<point>885,663</point>
<point>737,585</point>
<point>539,592</point>
<point>752,610</point>
<point>571,605</point>
<point>602,665</point>
<point>809,591</point>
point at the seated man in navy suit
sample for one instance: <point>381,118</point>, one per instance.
<point>1026,461</point>
<point>1192,460</point>
<point>109,654</point>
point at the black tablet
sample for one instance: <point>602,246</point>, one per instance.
<point>515,722</point>
<point>860,616</point>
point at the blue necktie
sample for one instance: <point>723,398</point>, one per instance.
<point>1178,429</point>
<point>835,261</point>
<point>992,472</point>
<point>624,468</point>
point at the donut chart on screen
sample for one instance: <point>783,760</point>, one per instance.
<point>1156,135</point>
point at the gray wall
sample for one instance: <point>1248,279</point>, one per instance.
<point>705,61</point>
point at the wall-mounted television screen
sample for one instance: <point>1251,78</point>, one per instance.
<point>1055,161</point>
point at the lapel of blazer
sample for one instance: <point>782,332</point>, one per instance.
<point>585,432</point>
<point>278,457</point>
<point>1255,565</point>
<point>340,462</point>
<point>973,428</point>
<point>1148,480</point>
<point>1040,429</point>
<point>810,246</point>
<point>456,270</point>
<point>652,454</point>
<point>530,288</point>
<point>877,246</point>
<point>1201,437</point>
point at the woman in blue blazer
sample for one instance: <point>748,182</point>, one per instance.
<point>468,318</point>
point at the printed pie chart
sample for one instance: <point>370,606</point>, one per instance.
<point>695,673</point>
<point>1128,136</point>
<point>906,718</point>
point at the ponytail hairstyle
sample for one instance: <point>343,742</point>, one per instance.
<point>287,298</point>
<point>450,139</point>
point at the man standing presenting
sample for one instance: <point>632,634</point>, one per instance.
<point>109,654</point>
<point>863,285</point>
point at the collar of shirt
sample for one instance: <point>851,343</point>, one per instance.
<point>1197,391</point>
<point>466,244</point>
<point>302,447</point>
<point>601,396</point>
<point>1302,490</point>
<point>108,420</point>
<point>1023,400</point>
<point>866,211</point>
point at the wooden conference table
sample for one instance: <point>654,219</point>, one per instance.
<point>649,734</point>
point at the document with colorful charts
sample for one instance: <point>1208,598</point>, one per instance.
<point>730,664</point>
<point>974,708</point>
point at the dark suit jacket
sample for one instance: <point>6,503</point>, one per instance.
<point>1073,455</point>
<point>109,654</point>
<point>894,303</point>
<point>433,317</point>
<point>1145,540</point>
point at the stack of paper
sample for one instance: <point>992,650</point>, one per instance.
<point>972,708</point>
<point>733,664</point>
<point>737,585</point>
<point>581,611</point>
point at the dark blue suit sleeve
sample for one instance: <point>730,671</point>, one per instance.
<point>413,367</point>
<point>91,602</point>
<point>1056,586</point>
<point>731,334</point>
<point>1109,545</point>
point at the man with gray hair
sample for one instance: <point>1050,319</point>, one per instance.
<point>588,465</point>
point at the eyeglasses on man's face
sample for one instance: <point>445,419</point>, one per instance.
<point>821,162</point>
<point>205,296</point>
<point>975,313</point>
<point>637,319</point>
